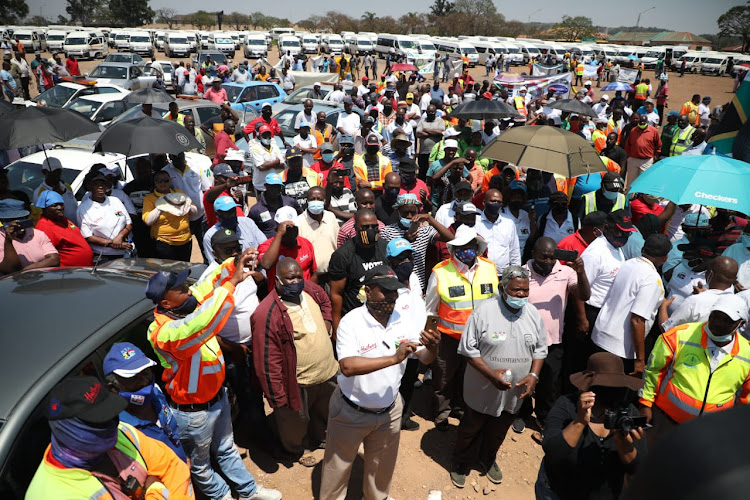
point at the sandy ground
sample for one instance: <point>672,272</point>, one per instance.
<point>424,455</point>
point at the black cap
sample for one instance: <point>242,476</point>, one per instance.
<point>657,245</point>
<point>462,185</point>
<point>621,219</point>
<point>701,246</point>
<point>612,182</point>
<point>465,208</point>
<point>223,236</point>
<point>594,219</point>
<point>407,165</point>
<point>383,276</point>
<point>85,398</point>
<point>162,281</point>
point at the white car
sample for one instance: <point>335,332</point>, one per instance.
<point>100,108</point>
<point>62,93</point>
<point>165,67</point>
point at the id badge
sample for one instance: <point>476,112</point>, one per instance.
<point>486,288</point>
<point>456,291</point>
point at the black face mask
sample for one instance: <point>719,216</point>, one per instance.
<point>391,193</point>
<point>229,223</point>
<point>404,270</point>
<point>543,268</point>
<point>431,117</point>
<point>409,179</point>
<point>492,208</point>
<point>273,192</point>
<point>186,308</point>
<point>515,205</point>
<point>368,237</point>
<point>458,224</point>
<point>373,150</point>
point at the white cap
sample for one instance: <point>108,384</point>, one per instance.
<point>605,97</point>
<point>523,89</point>
<point>450,143</point>
<point>316,84</point>
<point>285,214</point>
<point>465,234</point>
<point>587,82</point>
<point>476,126</point>
<point>451,132</point>
<point>235,155</point>
<point>51,164</point>
<point>731,305</point>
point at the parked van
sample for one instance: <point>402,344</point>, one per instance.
<point>528,50</point>
<point>361,45</point>
<point>122,41</point>
<point>56,40</point>
<point>221,41</point>
<point>29,38</point>
<point>456,49</point>
<point>693,61</point>
<point>140,43</point>
<point>426,48</point>
<point>309,44</point>
<point>290,44</point>
<point>715,64</point>
<point>255,46</point>
<point>333,44</point>
<point>401,44</point>
<point>513,53</point>
<point>277,32</point>
<point>85,44</point>
<point>176,44</point>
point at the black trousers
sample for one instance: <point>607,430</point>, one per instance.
<point>447,379</point>
<point>407,386</point>
<point>550,382</point>
<point>198,228</point>
<point>25,82</point>
<point>480,436</point>
<point>174,252</point>
<point>423,160</point>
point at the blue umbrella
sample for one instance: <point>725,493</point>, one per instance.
<point>633,57</point>
<point>711,180</point>
<point>615,86</point>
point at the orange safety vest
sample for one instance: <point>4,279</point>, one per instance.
<point>520,103</point>
<point>614,127</point>
<point>360,170</point>
<point>600,140</point>
<point>321,137</point>
<point>641,91</point>
<point>579,69</point>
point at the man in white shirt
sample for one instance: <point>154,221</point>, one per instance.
<point>337,95</point>
<point>287,81</point>
<point>489,133</point>
<point>558,223</point>
<point>373,342</point>
<point>446,214</point>
<point>348,122</point>
<point>306,115</point>
<point>600,108</point>
<point>704,112</point>
<point>267,158</point>
<point>499,232</point>
<point>192,183</point>
<point>240,75</point>
<point>630,307</point>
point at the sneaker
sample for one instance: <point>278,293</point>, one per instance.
<point>494,473</point>
<point>427,379</point>
<point>458,475</point>
<point>443,425</point>
<point>262,493</point>
<point>409,425</point>
<point>418,384</point>
<point>519,425</point>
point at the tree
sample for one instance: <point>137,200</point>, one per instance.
<point>368,20</point>
<point>82,10</point>
<point>441,8</point>
<point>238,20</point>
<point>575,28</point>
<point>201,19</point>
<point>13,11</point>
<point>62,20</point>
<point>131,12</point>
<point>166,16</point>
<point>736,22</point>
<point>39,21</point>
<point>256,19</point>
<point>475,17</point>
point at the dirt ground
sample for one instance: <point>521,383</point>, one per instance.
<point>424,455</point>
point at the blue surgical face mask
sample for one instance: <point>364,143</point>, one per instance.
<point>610,195</point>
<point>718,338</point>
<point>141,397</point>
<point>746,240</point>
<point>405,222</point>
<point>516,302</point>
<point>327,157</point>
<point>316,206</point>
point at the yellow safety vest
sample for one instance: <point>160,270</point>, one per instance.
<point>579,69</point>
<point>459,296</point>
<point>589,202</point>
<point>520,103</point>
<point>599,139</point>
<point>681,140</point>
<point>641,91</point>
<point>360,170</point>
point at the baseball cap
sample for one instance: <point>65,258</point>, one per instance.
<point>85,398</point>
<point>695,220</point>
<point>409,95</point>
<point>612,182</point>
<point>285,214</point>
<point>731,305</point>
<point>383,276</point>
<point>368,119</point>
<point>657,245</point>
<point>273,179</point>
<point>224,170</point>
<point>348,100</point>
<point>316,84</point>
<point>126,360</point>
<point>605,97</point>
<point>372,140</point>
<point>224,203</point>
<point>674,112</point>
<point>326,147</point>
<point>234,155</point>
<point>700,247</point>
<point>517,185</point>
<point>462,185</point>
<point>587,82</point>
<point>451,132</point>
<point>346,139</point>
<point>465,208</point>
<point>397,246</point>
<point>406,199</point>
<point>293,152</point>
<point>48,198</point>
<point>523,89</point>
<point>450,144</point>
<point>407,165</point>
<point>162,281</point>
<point>266,105</point>
<point>622,220</point>
<point>390,88</point>
<point>224,236</point>
<point>264,129</point>
<point>706,98</point>
<point>51,164</point>
<point>12,209</point>
<point>365,79</point>
<point>304,125</point>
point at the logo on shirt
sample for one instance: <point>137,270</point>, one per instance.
<point>366,348</point>
<point>499,336</point>
<point>691,360</point>
<point>681,276</point>
<point>119,214</point>
<point>525,230</point>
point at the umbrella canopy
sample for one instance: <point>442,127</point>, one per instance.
<point>615,86</point>
<point>711,180</point>
<point>509,78</point>
<point>404,67</point>
<point>484,110</point>
<point>572,106</point>
<point>37,125</point>
<point>633,57</point>
<point>5,106</point>
<point>148,95</point>
<point>546,148</point>
<point>146,135</point>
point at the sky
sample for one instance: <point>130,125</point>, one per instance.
<point>675,15</point>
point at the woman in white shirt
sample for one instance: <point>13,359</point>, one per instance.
<point>104,221</point>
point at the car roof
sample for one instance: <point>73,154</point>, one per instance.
<point>246,84</point>
<point>120,54</point>
<point>72,158</point>
<point>119,64</point>
<point>318,106</point>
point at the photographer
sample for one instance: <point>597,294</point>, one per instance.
<point>588,444</point>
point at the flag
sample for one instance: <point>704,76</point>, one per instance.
<point>542,70</point>
<point>735,116</point>
<point>627,75</point>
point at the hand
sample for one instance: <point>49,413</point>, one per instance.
<point>530,382</point>
<point>738,287</point>
<point>127,246</point>
<point>638,369</point>
<point>498,381</point>
<point>646,412</point>
<point>423,195</point>
<point>243,261</point>
<point>12,230</point>
<point>667,302</point>
<point>625,441</point>
<point>149,481</point>
<point>404,350</point>
<point>117,242</point>
<point>577,265</point>
<point>430,338</point>
<point>583,407</point>
<point>231,182</point>
<point>582,327</point>
<point>699,288</point>
<point>281,230</point>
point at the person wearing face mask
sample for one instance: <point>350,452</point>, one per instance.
<point>250,236</point>
<point>225,184</point>
<point>499,232</point>
<point>592,226</point>
<point>457,286</point>
<point>266,158</point>
<point>253,129</point>
<point>371,167</point>
<point>400,145</point>
<point>327,163</point>
<point>293,359</point>
<point>690,273</point>
<point>369,126</point>
<point>607,198</point>
<point>558,222</point>
<point>550,284</point>
<point>373,344</point>
<point>91,447</point>
<point>400,125</point>
<point>740,252</point>
<point>466,214</point>
<point>166,211</point>
<point>446,213</point>
<point>630,307</point>
<point>504,345</point>
<point>429,132</point>
<point>269,201</point>
<point>694,227</point>
<point>682,137</point>
<point>345,157</point>
<point>411,184</point>
<point>297,178</point>
<point>52,170</point>
<point>287,244</point>
<point>128,373</point>
<point>385,206</point>
<point>700,365</point>
<point>306,143</point>
<point>643,146</point>
<point>320,228</point>
<point>183,335</point>
<point>323,132</point>
<point>513,209</point>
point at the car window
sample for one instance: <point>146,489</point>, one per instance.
<point>205,113</point>
<point>267,92</point>
<point>333,118</point>
<point>249,95</point>
<point>109,111</point>
<point>134,72</point>
<point>26,176</point>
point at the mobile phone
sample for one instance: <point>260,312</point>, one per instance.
<point>432,322</point>
<point>25,224</point>
<point>244,179</point>
<point>414,226</point>
<point>565,255</point>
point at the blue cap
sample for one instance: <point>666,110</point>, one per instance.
<point>224,203</point>
<point>346,139</point>
<point>48,198</point>
<point>695,220</point>
<point>274,179</point>
<point>674,112</point>
<point>11,208</point>
<point>518,185</point>
<point>126,360</point>
<point>304,124</point>
<point>163,281</point>
<point>396,247</point>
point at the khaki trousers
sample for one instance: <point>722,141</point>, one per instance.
<point>635,166</point>
<point>347,428</point>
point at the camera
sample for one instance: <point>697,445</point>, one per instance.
<point>620,419</point>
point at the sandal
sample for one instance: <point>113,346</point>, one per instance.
<point>538,437</point>
<point>308,460</point>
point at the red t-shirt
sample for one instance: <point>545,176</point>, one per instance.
<point>302,253</point>
<point>320,168</point>
<point>73,248</point>
<point>573,242</point>
<point>254,126</point>
<point>415,190</point>
<point>639,208</point>
<point>72,67</point>
<point>211,217</point>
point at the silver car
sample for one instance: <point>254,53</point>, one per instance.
<point>125,75</point>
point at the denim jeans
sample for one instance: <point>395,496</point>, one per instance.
<point>209,433</point>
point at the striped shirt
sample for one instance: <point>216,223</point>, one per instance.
<point>425,237</point>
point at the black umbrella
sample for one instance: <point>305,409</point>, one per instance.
<point>146,135</point>
<point>572,106</point>
<point>148,95</point>
<point>38,125</point>
<point>5,106</point>
<point>484,110</point>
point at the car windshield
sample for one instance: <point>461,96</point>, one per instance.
<point>160,37</point>
<point>256,42</point>
<point>406,44</point>
<point>84,106</point>
<point>181,41</point>
<point>55,38</point>
<point>713,60</point>
<point>135,112</point>
<point>121,58</point>
<point>286,121</point>
<point>115,72</point>
<point>300,95</point>
<point>652,53</point>
<point>224,40</point>
<point>140,39</point>
<point>469,50</point>
<point>26,176</point>
<point>22,36</point>
<point>217,57</point>
<point>75,41</point>
<point>233,92</point>
<point>513,50</point>
<point>425,46</point>
<point>122,37</point>
<point>57,96</point>
<point>295,43</point>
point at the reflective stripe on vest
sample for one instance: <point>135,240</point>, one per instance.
<point>454,310</point>
<point>360,170</point>
<point>589,202</point>
<point>641,90</point>
<point>579,69</point>
<point>681,140</point>
<point>520,103</point>
<point>320,138</point>
<point>599,139</point>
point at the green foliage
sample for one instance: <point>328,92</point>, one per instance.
<point>13,11</point>
<point>131,12</point>
<point>575,28</point>
<point>736,22</point>
<point>83,11</point>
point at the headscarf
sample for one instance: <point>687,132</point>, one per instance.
<point>76,444</point>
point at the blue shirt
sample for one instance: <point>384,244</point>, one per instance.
<point>437,94</point>
<point>5,76</point>
<point>247,231</point>
<point>164,429</point>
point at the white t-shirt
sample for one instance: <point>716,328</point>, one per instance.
<point>424,101</point>
<point>302,117</point>
<point>105,220</point>
<point>695,309</point>
<point>446,215</point>
<point>237,328</point>
<point>558,232</point>
<point>350,122</point>
<point>337,96</point>
<point>637,289</point>
<point>361,335</point>
<point>523,225</point>
<point>602,262</point>
<point>310,142</point>
<point>261,155</point>
<point>703,114</point>
<point>502,241</point>
<point>682,283</point>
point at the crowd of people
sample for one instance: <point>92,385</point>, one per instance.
<point>385,254</point>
